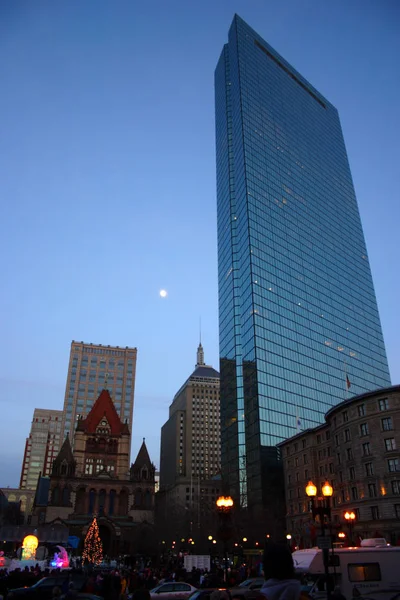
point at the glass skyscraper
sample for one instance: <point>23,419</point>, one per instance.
<point>299,323</point>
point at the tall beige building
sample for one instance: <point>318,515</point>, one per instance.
<point>91,369</point>
<point>190,439</point>
<point>190,462</point>
<point>41,446</point>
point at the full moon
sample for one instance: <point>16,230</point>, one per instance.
<point>163,293</point>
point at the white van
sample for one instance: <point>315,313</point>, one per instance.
<point>372,571</point>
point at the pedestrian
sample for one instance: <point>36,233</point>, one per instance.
<point>280,582</point>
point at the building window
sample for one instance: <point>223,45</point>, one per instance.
<point>396,487</point>
<point>372,490</point>
<point>347,435</point>
<point>364,429</point>
<point>361,410</point>
<point>387,424</point>
<point>349,454</point>
<point>375,513</point>
<point>393,465</point>
<point>89,466</point>
<point>337,440</point>
<point>390,444</point>
<point>352,473</point>
<point>345,416</point>
<point>305,459</point>
<point>354,493</point>
<point>318,439</point>
<point>369,469</point>
<point>397,510</point>
<point>366,449</point>
<point>384,404</point>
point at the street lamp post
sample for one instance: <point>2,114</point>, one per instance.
<point>350,517</point>
<point>323,509</point>
<point>224,508</point>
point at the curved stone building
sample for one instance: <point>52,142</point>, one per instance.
<point>358,451</point>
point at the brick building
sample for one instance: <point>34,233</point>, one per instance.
<point>358,451</point>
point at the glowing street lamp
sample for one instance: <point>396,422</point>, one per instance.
<point>350,517</point>
<point>224,508</point>
<point>322,509</point>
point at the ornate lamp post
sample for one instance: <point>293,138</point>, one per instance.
<point>323,510</point>
<point>224,508</point>
<point>350,517</point>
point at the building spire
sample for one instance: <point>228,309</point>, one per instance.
<point>200,356</point>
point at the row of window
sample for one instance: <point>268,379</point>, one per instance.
<point>375,512</point>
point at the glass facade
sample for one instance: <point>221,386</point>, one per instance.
<point>299,323</point>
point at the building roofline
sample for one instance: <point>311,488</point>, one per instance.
<point>380,391</point>
<point>364,396</point>
<point>298,435</point>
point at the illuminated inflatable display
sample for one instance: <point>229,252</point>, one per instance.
<point>29,546</point>
<point>60,560</point>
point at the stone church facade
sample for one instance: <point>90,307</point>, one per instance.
<point>95,478</point>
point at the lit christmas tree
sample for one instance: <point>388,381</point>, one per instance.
<point>93,548</point>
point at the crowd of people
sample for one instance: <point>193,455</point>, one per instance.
<point>135,583</point>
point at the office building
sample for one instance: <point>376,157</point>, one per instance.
<point>41,446</point>
<point>190,454</point>
<point>94,367</point>
<point>190,439</point>
<point>299,323</point>
<point>357,450</point>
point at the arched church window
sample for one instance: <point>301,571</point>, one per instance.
<point>138,498</point>
<point>55,496</point>
<point>147,499</point>
<point>65,496</point>
<point>102,501</point>
<point>111,502</point>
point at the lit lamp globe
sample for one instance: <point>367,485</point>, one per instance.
<point>224,502</point>
<point>311,490</point>
<point>327,490</point>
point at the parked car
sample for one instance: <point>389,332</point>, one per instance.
<point>42,590</point>
<point>248,589</point>
<point>172,590</point>
<point>205,593</point>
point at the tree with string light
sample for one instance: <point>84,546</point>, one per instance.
<point>93,548</point>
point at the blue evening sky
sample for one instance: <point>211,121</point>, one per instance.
<point>107,180</point>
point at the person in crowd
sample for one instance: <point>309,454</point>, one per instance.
<point>280,582</point>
